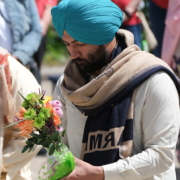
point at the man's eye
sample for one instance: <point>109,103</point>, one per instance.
<point>66,44</point>
<point>81,44</point>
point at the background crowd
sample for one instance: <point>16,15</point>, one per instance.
<point>24,26</point>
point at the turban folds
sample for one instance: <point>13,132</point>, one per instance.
<point>89,21</point>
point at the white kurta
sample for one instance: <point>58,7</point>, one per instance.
<point>16,164</point>
<point>156,127</point>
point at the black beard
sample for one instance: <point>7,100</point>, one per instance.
<point>95,61</point>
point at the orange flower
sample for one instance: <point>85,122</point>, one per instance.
<point>21,112</point>
<point>56,120</point>
<point>26,127</point>
<point>55,116</point>
<point>49,106</point>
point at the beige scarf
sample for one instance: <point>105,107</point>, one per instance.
<point>126,67</point>
<point>7,103</point>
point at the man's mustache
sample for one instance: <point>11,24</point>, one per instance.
<point>79,60</point>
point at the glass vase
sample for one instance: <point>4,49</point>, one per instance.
<point>58,165</point>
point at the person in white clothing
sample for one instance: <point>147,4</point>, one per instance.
<point>120,104</point>
<point>14,77</point>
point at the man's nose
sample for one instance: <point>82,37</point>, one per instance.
<point>74,53</point>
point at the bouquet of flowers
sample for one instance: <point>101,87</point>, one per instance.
<point>40,123</point>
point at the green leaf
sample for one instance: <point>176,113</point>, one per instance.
<point>45,143</point>
<point>39,140</point>
<point>51,149</point>
<point>63,133</point>
<point>33,140</point>
<point>44,130</point>
<point>54,136</point>
<point>25,148</point>
<point>31,147</point>
<point>35,147</point>
<point>41,101</point>
<point>29,142</point>
<point>37,136</point>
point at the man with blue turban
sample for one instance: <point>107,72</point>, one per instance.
<point>121,104</point>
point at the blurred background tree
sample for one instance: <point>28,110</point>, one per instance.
<point>145,9</point>
<point>56,52</point>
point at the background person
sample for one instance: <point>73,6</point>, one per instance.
<point>171,39</point>
<point>130,20</point>
<point>20,31</point>
<point>157,16</point>
<point>44,9</point>
<point>14,77</point>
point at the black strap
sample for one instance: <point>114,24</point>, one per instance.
<point>127,14</point>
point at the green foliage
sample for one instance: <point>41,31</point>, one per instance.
<point>29,97</point>
<point>25,105</point>
<point>54,136</point>
<point>31,147</point>
<point>25,148</point>
<point>45,143</point>
<point>63,133</point>
<point>145,9</point>
<point>56,52</point>
<point>39,122</point>
<point>30,113</point>
<point>51,148</point>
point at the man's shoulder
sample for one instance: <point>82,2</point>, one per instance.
<point>160,77</point>
<point>158,85</point>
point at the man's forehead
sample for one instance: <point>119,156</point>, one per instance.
<point>68,39</point>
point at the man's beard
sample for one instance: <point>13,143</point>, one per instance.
<point>95,61</point>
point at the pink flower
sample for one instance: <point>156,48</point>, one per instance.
<point>58,111</point>
<point>16,118</point>
<point>55,103</point>
<point>60,129</point>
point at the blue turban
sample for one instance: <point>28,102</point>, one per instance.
<point>88,21</point>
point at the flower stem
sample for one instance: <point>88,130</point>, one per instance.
<point>15,123</point>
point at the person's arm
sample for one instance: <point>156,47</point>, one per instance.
<point>130,9</point>
<point>46,19</point>
<point>29,44</point>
